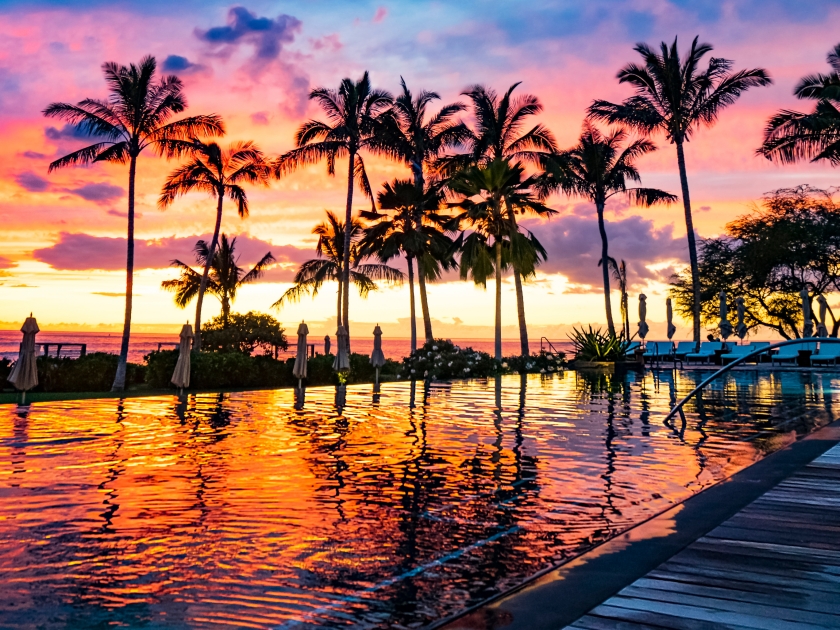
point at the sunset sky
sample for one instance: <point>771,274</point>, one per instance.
<point>63,250</point>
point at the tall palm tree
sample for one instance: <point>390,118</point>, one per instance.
<point>675,96</point>
<point>793,136</point>
<point>419,139</point>
<point>136,115</point>
<point>598,168</point>
<point>329,265</point>
<point>410,224</point>
<point>220,173</point>
<point>226,276</point>
<point>491,196</point>
<point>355,115</point>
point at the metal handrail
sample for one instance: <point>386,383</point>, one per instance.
<point>550,345</point>
<point>781,344</point>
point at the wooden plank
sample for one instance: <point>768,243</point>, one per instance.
<point>740,580</point>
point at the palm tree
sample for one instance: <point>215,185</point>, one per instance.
<point>491,196</point>
<point>136,115</point>
<point>597,168</point>
<point>412,136</point>
<point>225,275</point>
<point>410,225</point>
<point>675,96</point>
<point>219,173</point>
<point>355,113</point>
<point>329,265</point>
<point>793,136</point>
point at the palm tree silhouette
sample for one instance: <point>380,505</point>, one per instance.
<point>793,136</point>
<point>219,173</point>
<point>413,136</point>
<point>355,113</point>
<point>675,96</point>
<point>136,115</point>
<point>329,266</point>
<point>225,277</point>
<point>597,168</point>
<point>410,225</point>
<point>491,196</point>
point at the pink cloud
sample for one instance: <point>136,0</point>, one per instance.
<point>380,14</point>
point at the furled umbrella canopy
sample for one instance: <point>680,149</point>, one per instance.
<point>669,312</point>
<point>24,374</point>
<point>740,327</point>
<point>377,357</point>
<point>724,325</point>
<point>326,344</point>
<point>299,371</point>
<point>181,376</point>
<point>342,361</point>
<point>643,325</point>
<point>807,324</point>
<point>822,329</point>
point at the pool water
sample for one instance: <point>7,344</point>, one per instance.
<point>238,511</point>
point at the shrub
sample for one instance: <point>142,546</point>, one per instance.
<point>441,359</point>
<point>244,333</point>
<point>219,370</point>
<point>93,372</point>
<point>542,363</point>
<point>597,345</point>
<point>5,370</point>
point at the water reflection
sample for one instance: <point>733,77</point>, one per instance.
<point>255,510</point>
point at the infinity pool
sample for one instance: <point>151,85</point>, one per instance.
<point>238,511</point>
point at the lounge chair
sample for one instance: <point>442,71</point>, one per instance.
<point>829,352</point>
<point>683,348</point>
<point>736,352</point>
<point>631,349</point>
<point>707,352</point>
<point>655,350</point>
<point>791,352</point>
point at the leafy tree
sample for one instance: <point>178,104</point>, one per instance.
<point>767,257</point>
<point>356,113</point>
<point>245,333</point>
<point>224,279</point>
<point>491,196</point>
<point>792,136</point>
<point>597,168</point>
<point>220,173</point>
<point>312,274</point>
<point>675,96</point>
<point>409,224</point>
<point>136,115</point>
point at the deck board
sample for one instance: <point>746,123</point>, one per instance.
<point>774,564</point>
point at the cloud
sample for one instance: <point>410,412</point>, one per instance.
<point>110,294</point>
<point>32,182</point>
<point>704,208</point>
<point>380,14</point>
<point>267,36</point>
<point>98,193</point>
<point>259,118</point>
<point>329,43</point>
<point>67,132</point>
<point>181,65</point>
<point>574,248</point>
<point>23,286</point>
<point>7,263</point>
<point>33,155</point>
<point>123,214</point>
<point>81,252</point>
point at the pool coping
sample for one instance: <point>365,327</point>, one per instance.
<point>559,595</point>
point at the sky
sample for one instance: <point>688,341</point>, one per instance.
<point>62,251</point>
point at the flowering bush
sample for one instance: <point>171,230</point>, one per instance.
<point>542,363</point>
<point>441,359</point>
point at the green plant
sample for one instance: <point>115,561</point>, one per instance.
<point>245,333</point>
<point>218,370</point>
<point>441,359</point>
<point>542,363</point>
<point>597,345</point>
<point>91,373</point>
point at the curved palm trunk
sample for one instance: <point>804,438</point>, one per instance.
<point>524,348</point>
<point>605,267</point>
<point>498,344</point>
<point>410,261</point>
<point>119,377</point>
<point>204,277</point>
<point>348,225</point>
<point>424,302</point>
<point>692,246</point>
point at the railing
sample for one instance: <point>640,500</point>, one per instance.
<point>544,340</point>
<point>45,347</point>
<point>678,408</point>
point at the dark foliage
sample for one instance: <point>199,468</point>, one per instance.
<point>245,333</point>
<point>91,373</point>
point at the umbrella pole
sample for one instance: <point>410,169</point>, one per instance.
<point>300,383</point>
<point>377,377</point>
<point>23,397</point>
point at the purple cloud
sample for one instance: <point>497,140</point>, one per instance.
<point>33,155</point>
<point>266,35</point>
<point>32,182</point>
<point>259,118</point>
<point>98,193</point>
<point>6,263</point>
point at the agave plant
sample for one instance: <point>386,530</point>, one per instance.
<point>598,345</point>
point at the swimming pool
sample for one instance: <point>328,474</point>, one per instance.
<point>236,510</point>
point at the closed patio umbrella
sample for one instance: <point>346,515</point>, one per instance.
<point>181,376</point>
<point>807,324</point>
<point>669,313</point>
<point>740,327</point>
<point>822,329</point>
<point>377,358</point>
<point>24,375</point>
<point>724,325</point>
<point>326,344</point>
<point>342,361</point>
<point>299,371</point>
<point>643,325</point>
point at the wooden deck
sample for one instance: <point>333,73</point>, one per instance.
<point>774,565</point>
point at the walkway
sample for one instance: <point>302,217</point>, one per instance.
<point>774,564</point>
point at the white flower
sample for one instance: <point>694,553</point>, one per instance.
<point>550,368</point>
<point>425,374</point>
<point>528,366</point>
<point>504,364</point>
<point>412,370</point>
<point>434,347</point>
<point>429,354</point>
<point>466,370</point>
<point>542,371</point>
<point>449,364</point>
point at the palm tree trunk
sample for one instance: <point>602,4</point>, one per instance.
<point>119,377</point>
<point>424,302</point>
<point>225,311</point>
<point>605,268</point>
<point>692,246</point>
<point>524,348</point>
<point>410,261</point>
<point>348,226</point>
<point>206,275</point>
<point>498,344</point>
<point>338,310</point>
